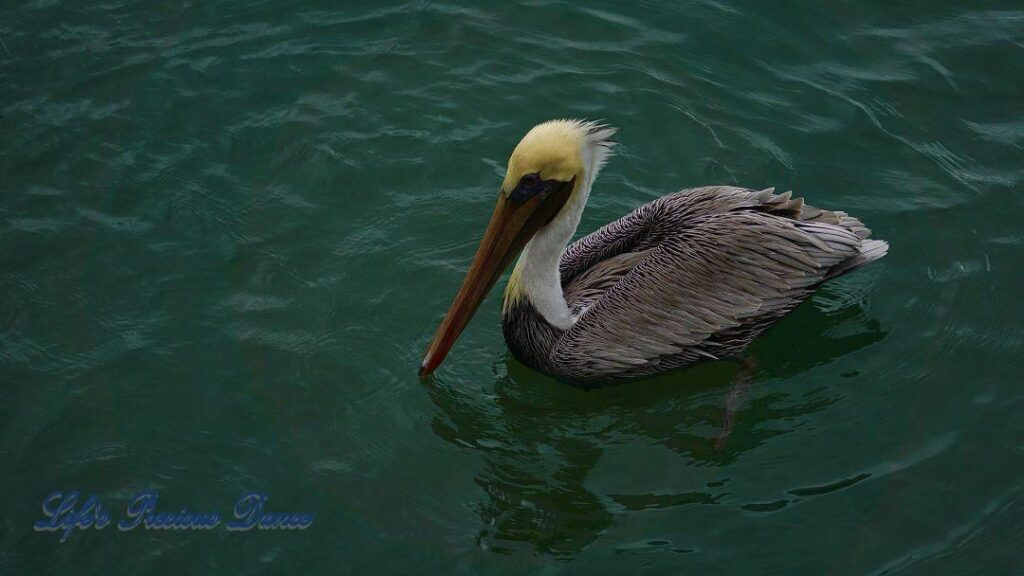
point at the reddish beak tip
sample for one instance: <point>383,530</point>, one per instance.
<point>424,369</point>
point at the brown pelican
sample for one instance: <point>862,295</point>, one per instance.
<point>693,275</point>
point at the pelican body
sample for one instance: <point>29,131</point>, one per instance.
<point>693,275</point>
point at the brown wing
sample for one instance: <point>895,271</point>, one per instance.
<point>713,267</point>
<point>591,285</point>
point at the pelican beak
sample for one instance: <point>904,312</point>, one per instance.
<point>516,218</point>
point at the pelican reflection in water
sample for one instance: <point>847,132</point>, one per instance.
<point>693,275</point>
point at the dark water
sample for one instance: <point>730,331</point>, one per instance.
<point>228,230</point>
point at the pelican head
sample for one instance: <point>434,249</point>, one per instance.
<point>545,186</point>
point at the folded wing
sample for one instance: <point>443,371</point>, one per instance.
<point>697,274</point>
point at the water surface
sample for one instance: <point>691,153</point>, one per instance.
<point>229,229</point>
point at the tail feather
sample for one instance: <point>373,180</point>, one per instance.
<point>870,250</point>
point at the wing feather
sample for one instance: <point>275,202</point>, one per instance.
<point>697,274</point>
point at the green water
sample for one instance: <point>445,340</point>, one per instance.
<point>229,229</point>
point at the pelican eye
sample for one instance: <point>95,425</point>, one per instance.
<point>529,185</point>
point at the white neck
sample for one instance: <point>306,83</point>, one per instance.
<point>538,267</point>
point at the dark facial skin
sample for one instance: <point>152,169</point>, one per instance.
<point>531,185</point>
